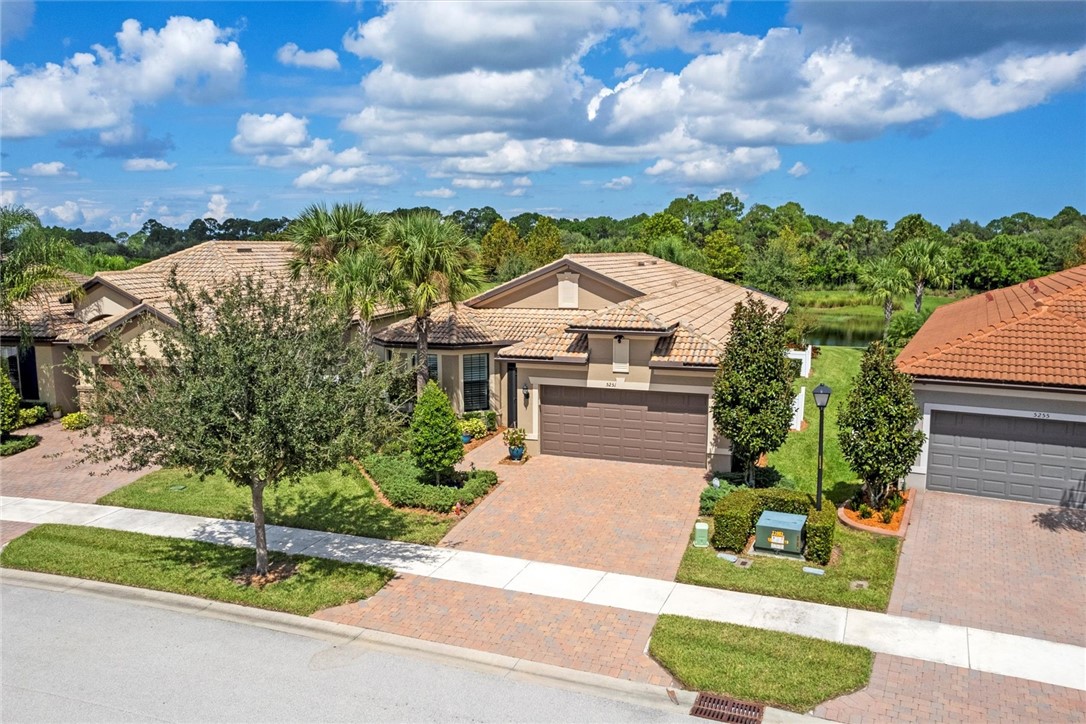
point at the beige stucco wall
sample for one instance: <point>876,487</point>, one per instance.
<point>542,293</point>
<point>55,385</point>
<point>991,400</point>
<point>450,373</point>
<point>102,301</point>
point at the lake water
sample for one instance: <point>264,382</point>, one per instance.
<point>850,333</point>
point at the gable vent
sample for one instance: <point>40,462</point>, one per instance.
<point>244,249</point>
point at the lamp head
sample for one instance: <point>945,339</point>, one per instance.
<point>822,396</point>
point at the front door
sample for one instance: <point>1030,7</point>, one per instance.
<point>511,393</point>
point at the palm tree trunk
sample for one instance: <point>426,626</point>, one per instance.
<point>422,335</point>
<point>257,487</point>
<point>919,295</point>
<point>887,309</point>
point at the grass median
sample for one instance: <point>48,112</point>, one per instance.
<point>337,501</point>
<point>188,567</point>
<point>779,669</point>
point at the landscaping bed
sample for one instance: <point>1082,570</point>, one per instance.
<point>857,556</point>
<point>306,585</point>
<point>18,443</point>
<point>874,522</point>
<point>779,669</point>
<point>403,484</point>
<point>338,501</point>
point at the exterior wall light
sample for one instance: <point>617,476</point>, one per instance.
<point>527,394</point>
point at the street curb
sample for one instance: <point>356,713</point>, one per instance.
<point>342,635</point>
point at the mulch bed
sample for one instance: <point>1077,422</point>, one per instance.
<point>276,572</point>
<point>875,521</point>
<point>476,442</point>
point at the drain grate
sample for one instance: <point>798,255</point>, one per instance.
<point>721,708</point>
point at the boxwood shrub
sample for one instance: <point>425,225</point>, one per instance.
<point>487,416</point>
<point>405,486</point>
<point>18,443</point>
<point>737,513</point>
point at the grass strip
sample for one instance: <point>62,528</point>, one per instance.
<point>862,557</point>
<point>193,568</point>
<point>779,669</point>
<point>337,501</point>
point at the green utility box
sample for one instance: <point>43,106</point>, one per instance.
<point>779,532</point>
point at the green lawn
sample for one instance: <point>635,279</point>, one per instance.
<point>189,567</point>
<point>837,306</point>
<point>778,669</point>
<point>798,457</point>
<point>339,501</point>
<point>864,557</point>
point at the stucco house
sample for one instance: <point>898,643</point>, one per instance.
<point>1001,380</point>
<point>594,355</point>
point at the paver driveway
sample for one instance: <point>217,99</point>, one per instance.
<point>1018,568</point>
<point>623,517</point>
<point>52,471</point>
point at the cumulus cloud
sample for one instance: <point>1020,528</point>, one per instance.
<point>441,193</point>
<point>66,213</point>
<point>798,170</point>
<point>256,133</point>
<point>326,177</point>
<point>477,183</point>
<point>719,165</point>
<point>218,207</point>
<point>51,168</point>
<point>148,164</point>
<point>192,59</point>
<point>291,54</point>
<point>617,184</point>
<point>522,181</point>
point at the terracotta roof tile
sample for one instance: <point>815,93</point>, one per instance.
<point>44,313</point>
<point>686,348</point>
<point>1032,333</point>
<point>462,325</point>
<point>624,315</point>
<point>558,346</point>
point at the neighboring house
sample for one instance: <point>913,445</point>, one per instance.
<point>129,303</point>
<point>595,355</point>
<point>1001,380</point>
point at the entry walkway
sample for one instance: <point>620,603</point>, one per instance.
<point>980,650</point>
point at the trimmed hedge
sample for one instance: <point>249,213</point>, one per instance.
<point>32,415</point>
<point>736,514</point>
<point>18,443</point>
<point>487,416</point>
<point>402,483</point>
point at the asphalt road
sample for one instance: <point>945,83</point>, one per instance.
<point>71,657</point>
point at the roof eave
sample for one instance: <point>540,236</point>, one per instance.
<point>546,269</point>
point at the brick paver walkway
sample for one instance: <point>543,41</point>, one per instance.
<point>907,690</point>
<point>989,564</point>
<point>51,470</point>
<point>10,530</point>
<point>582,636</point>
<point>613,516</point>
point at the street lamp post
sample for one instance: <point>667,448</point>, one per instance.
<point>822,398</point>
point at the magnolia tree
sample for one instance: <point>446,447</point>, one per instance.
<point>259,383</point>
<point>877,427</point>
<point>752,394</point>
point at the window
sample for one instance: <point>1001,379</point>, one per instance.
<point>476,382</point>
<point>22,368</point>
<point>431,366</point>
<point>620,354</point>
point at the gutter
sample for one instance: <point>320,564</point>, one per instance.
<point>997,384</point>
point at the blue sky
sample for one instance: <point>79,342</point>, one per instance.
<point>113,113</point>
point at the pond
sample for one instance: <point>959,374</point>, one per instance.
<point>853,332</point>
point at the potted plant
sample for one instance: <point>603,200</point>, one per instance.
<point>514,437</point>
<point>472,427</point>
<point>465,436</point>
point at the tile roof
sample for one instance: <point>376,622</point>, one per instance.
<point>1030,333</point>
<point>558,346</point>
<point>672,297</point>
<point>44,313</point>
<point>460,325</point>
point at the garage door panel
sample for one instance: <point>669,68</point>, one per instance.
<point>630,425</point>
<point>1012,458</point>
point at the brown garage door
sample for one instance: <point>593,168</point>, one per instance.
<point>650,427</point>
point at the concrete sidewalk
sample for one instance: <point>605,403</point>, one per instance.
<point>987,651</point>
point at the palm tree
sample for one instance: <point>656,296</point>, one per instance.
<point>883,279</point>
<point>320,235</point>
<point>926,262</point>
<point>34,266</point>
<point>359,280</point>
<point>432,261</point>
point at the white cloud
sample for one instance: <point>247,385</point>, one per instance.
<point>798,170</point>
<point>522,181</point>
<point>631,68</point>
<point>324,176</point>
<point>617,184</point>
<point>291,54</point>
<point>441,193</point>
<point>51,168</point>
<point>67,213</point>
<point>519,191</point>
<point>148,164</point>
<point>5,176</point>
<point>191,58</point>
<point>477,183</point>
<point>7,70</point>
<point>718,166</point>
<point>269,131</point>
<point>218,208</point>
